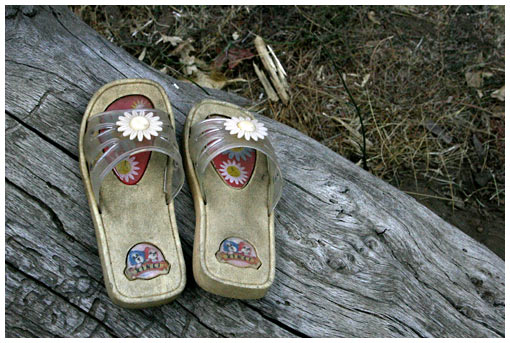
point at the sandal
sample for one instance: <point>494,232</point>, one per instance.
<point>132,170</point>
<point>236,182</point>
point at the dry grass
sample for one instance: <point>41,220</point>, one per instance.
<point>406,71</point>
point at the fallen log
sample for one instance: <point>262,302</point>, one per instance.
<point>355,257</point>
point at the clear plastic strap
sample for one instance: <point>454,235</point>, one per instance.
<point>102,134</point>
<point>209,138</point>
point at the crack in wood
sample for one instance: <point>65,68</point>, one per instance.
<point>305,190</point>
<point>150,314</point>
<point>60,296</point>
<point>284,326</point>
<point>56,220</point>
<point>84,43</point>
<point>45,71</point>
<point>199,320</point>
<point>43,136</point>
<point>39,103</point>
<point>456,307</point>
<point>186,325</point>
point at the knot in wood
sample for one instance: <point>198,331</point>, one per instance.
<point>372,243</point>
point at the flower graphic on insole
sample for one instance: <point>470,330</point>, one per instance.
<point>139,124</point>
<point>239,153</point>
<point>233,172</point>
<point>246,127</point>
<point>141,103</point>
<point>127,169</point>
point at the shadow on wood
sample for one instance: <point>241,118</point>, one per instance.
<point>355,256</point>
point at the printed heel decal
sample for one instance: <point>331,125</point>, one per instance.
<point>239,253</point>
<point>145,261</point>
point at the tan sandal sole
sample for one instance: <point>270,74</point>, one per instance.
<point>230,212</point>
<point>136,214</point>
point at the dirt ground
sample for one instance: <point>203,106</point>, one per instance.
<point>486,225</point>
<point>425,80</point>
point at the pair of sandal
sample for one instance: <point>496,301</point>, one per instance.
<point>132,170</point>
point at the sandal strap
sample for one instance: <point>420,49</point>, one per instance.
<point>209,138</point>
<point>105,147</point>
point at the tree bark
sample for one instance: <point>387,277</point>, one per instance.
<point>355,256</point>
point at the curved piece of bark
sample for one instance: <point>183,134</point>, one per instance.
<point>355,256</point>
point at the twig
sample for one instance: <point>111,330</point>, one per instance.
<point>477,107</point>
<point>428,196</point>
<point>271,94</point>
<point>189,79</point>
<point>311,21</point>
<point>271,68</point>
<point>364,147</point>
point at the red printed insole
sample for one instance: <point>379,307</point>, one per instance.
<point>131,170</point>
<point>235,166</point>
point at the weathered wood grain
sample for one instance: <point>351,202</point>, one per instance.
<point>355,256</point>
<point>55,315</point>
<point>49,237</point>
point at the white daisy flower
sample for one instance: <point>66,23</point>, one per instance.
<point>246,127</point>
<point>233,172</point>
<point>127,169</point>
<point>238,153</point>
<point>139,124</point>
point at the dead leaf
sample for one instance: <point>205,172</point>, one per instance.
<point>183,50</point>
<point>475,79</point>
<point>234,57</point>
<point>218,62</point>
<point>174,40</point>
<point>478,147</point>
<point>189,64</point>
<point>499,94</point>
<point>372,18</point>
<point>214,79</point>
<point>184,47</point>
<point>458,202</point>
<point>142,55</point>
<point>320,75</point>
<point>365,80</point>
<point>483,178</point>
<point>439,131</point>
<point>406,9</point>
